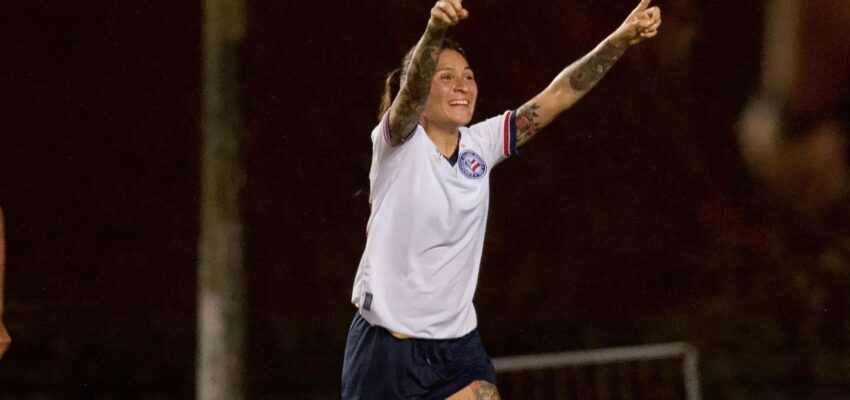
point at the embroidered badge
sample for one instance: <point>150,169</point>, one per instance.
<point>471,164</point>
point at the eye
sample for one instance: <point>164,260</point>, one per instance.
<point>445,77</point>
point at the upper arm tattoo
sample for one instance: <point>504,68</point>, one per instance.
<point>416,85</point>
<point>526,122</point>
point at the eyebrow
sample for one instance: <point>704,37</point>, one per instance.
<point>452,69</point>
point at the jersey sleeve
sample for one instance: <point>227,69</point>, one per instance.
<point>496,136</point>
<point>382,141</point>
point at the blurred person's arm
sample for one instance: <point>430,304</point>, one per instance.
<point>579,77</point>
<point>4,336</point>
<point>791,132</point>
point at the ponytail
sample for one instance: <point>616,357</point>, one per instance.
<point>391,87</point>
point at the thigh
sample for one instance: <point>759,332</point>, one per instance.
<point>478,390</point>
<point>461,362</point>
<point>375,365</point>
<point>360,369</point>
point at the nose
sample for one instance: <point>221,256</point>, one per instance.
<point>462,86</point>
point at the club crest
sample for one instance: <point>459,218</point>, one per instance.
<point>471,164</point>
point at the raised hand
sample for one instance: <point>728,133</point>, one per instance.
<point>642,23</point>
<point>446,13</point>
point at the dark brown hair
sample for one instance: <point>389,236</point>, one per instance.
<point>392,84</point>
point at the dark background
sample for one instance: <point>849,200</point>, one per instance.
<point>632,219</point>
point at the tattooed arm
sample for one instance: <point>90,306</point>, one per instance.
<point>416,82</point>
<point>577,79</point>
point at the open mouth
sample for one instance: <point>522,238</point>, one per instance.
<point>461,102</point>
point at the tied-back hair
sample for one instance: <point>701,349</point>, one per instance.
<point>392,84</point>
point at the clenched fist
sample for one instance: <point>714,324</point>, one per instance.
<point>447,13</point>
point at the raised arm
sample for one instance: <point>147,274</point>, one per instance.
<point>577,79</point>
<point>416,81</point>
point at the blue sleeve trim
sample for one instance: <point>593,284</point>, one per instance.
<point>385,122</point>
<point>513,149</point>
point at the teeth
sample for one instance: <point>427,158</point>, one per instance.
<point>459,102</point>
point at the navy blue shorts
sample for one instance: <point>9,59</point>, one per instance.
<point>379,366</point>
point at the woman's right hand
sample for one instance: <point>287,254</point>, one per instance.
<point>447,13</point>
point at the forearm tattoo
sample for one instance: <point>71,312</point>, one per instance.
<point>589,70</point>
<point>487,391</point>
<point>577,79</point>
<point>526,122</point>
<point>416,85</point>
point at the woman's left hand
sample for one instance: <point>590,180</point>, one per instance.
<point>642,23</point>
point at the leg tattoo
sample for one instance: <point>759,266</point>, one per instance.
<point>486,391</point>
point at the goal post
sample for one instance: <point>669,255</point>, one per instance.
<point>669,370</point>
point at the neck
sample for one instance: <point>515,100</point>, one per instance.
<point>445,138</point>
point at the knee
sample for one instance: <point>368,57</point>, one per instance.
<point>484,390</point>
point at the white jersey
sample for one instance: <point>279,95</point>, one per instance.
<point>420,267</point>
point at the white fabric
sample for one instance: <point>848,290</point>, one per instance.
<point>426,230</point>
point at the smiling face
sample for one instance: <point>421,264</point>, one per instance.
<point>451,101</point>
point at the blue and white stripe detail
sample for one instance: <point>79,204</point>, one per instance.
<point>509,134</point>
<point>385,130</point>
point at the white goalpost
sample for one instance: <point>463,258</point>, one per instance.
<point>655,371</point>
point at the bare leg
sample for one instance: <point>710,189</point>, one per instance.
<point>478,390</point>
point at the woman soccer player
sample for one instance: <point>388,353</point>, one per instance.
<point>414,335</point>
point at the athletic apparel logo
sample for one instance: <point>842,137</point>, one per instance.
<point>471,164</point>
<point>367,304</point>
